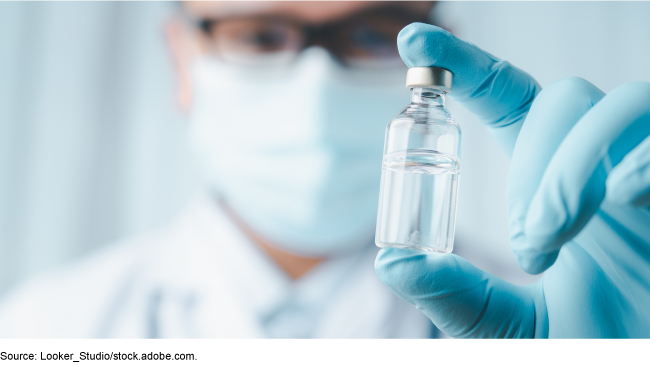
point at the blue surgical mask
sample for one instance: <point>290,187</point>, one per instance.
<point>296,152</point>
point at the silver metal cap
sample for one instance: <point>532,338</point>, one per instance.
<point>435,77</point>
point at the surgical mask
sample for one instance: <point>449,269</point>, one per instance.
<point>295,152</point>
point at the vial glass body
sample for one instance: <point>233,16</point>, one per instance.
<point>420,173</point>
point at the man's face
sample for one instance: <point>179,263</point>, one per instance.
<point>355,32</point>
<point>288,113</point>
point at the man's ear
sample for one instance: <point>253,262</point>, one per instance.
<point>182,52</point>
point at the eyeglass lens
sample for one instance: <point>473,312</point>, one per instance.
<point>364,38</point>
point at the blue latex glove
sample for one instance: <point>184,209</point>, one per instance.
<point>578,197</point>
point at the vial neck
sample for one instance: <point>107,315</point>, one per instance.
<point>428,96</point>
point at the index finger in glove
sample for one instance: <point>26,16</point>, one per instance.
<point>497,93</point>
<point>461,300</point>
<point>573,184</point>
<point>555,111</point>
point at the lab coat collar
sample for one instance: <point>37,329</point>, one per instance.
<point>281,306</point>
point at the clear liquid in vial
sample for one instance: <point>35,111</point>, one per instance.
<point>417,202</point>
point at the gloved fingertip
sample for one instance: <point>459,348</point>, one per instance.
<point>534,262</point>
<point>419,44</point>
<point>396,269</point>
<point>390,253</point>
<point>389,261</point>
<point>413,274</point>
<point>544,221</point>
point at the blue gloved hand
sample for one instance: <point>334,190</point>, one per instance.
<point>578,197</point>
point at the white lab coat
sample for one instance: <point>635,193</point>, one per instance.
<point>202,278</point>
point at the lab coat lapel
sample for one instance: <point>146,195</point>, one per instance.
<point>218,310</point>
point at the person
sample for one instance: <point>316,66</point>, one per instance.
<point>578,198</point>
<point>287,104</point>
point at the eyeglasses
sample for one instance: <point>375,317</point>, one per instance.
<point>365,38</point>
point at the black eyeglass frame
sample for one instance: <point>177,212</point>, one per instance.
<point>321,34</point>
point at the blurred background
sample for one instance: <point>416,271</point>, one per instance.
<point>93,146</point>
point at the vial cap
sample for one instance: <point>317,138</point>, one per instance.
<point>435,77</point>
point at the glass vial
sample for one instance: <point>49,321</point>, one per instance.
<point>421,167</point>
